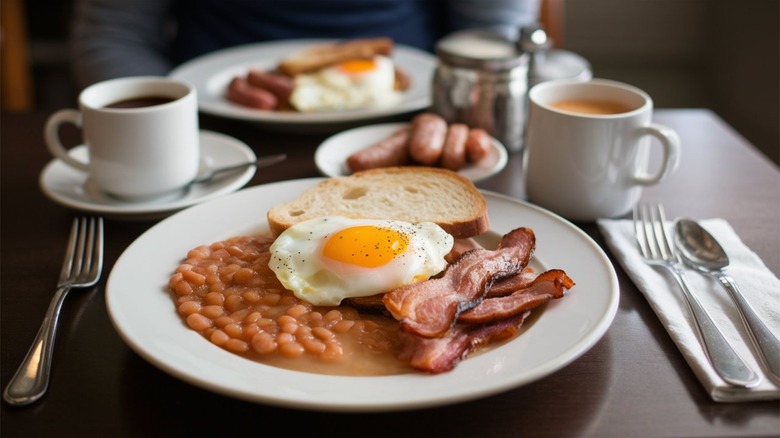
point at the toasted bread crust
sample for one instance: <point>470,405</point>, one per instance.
<point>320,56</point>
<point>412,194</point>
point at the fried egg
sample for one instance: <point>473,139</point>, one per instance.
<point>357,83</point>
<point>328,259</point>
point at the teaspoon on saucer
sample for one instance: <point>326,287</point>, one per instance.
<point>206,174</point>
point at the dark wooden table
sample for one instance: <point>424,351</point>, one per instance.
<point>633,382</point>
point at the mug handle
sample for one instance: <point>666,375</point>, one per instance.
<point>52,136</point>
<point>670,142</point>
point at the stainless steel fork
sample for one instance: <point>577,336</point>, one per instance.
<point>81,268</point>
<point>656,249</point>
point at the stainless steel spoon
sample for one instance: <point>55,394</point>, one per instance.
<point>699,250</point>
<point>207,174</point>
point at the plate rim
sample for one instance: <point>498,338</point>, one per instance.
<point>200,70</point>
<point>293,396</point>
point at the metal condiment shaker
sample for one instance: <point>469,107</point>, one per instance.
<point>483,77</point>
<point>482,80</point>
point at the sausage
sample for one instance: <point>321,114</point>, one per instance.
<point>240,92</point>
<point>478,144</point>
<point>453,156</point>
<point>426,140</point>
<point>391,151</point>
<point>281,86</point>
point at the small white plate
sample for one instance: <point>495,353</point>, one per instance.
<point>211,74</point>
<point>72,188</point>
<point>331,156</point>
<point>144,314</point>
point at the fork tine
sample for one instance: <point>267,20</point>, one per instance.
<point>649,222</point>
<point>89,247</point>
<point>78,260</point>
<point>645,230</point>
<point>93,251</point>
<point>639,231</point>
<point>662,237</point>
<point>97,244</point>
<point>67,262</point>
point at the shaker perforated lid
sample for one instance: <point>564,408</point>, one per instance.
<point>480,49</point>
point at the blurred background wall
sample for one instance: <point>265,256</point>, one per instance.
<point>718,54</point>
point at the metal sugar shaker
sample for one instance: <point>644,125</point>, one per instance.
<point>481,79</point>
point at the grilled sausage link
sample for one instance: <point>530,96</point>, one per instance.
<point>453,156</point>
<point>239,91</point>
<point>478,144</point>
<point>391,151</point>
<point>281,86</point>
<point>426,141</point>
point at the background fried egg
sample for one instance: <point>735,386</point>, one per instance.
<point>358,83</point>
<point>328,259</point>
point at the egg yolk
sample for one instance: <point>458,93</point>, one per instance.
<point>367,246</point>
<point>356,66</point>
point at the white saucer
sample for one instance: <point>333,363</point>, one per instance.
<point>331,156</point>
<point>72,188</point>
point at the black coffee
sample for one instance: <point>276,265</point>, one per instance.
<point>140,102</point>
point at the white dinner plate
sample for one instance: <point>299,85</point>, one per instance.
<point>331,156</point>
<point>73,188</point>
<point>211,74</point>
<point>144,314</point>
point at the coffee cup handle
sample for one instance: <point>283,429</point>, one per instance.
<point>52,136</point>
<point>670,142</point>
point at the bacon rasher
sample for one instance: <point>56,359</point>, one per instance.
<point>485,295</point>
<point>513,283</point>
<point>493,319</point>
<point>430,308</point>
<point>545,287</point>
<point>439,355</point>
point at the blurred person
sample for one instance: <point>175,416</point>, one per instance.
<point>115,38</point>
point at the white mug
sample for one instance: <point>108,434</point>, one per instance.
<point>585,165</point>
<point>141,134</point>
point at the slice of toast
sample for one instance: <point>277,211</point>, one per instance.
<point>412,194</point>
<point>323,55</point>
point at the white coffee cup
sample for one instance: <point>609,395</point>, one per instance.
<point>585,166</point>
<point>148,149</point>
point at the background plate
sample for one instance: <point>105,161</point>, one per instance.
<point>211,73</point>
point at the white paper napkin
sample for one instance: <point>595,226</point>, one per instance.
<point>758,284</point>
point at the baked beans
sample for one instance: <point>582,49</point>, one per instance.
<point>226,292</point>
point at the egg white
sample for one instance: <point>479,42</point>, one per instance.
<point>299,263</point>
<point>332,88</point>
